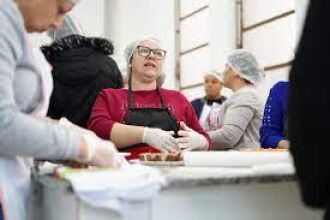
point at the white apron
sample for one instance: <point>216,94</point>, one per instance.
<point>204,115</point>
<point>215,117</point>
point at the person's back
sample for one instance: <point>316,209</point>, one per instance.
<point>249,97</point>
<point>244,101</point>
<point>81,69</point>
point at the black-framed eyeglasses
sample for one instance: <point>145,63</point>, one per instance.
<point>159,54</point>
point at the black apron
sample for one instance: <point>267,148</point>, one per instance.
<point>151,117</point>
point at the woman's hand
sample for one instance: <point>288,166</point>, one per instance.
<point>190,140</point>
<point>283,144</point>
<point>97,152</point>
<point>160,139</point>
<point>93,150</point>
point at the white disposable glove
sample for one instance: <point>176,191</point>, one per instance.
<point>66,123</point>
<point>99,152</point>
<point>160,139</point>
<point>190,140</point>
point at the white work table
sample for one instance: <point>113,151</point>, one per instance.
<point>191,194</point>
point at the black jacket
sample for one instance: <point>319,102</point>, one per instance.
<point>309,107</point>
<point>81,69</point>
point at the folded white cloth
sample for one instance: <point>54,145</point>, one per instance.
<point>235,158</point>
<point>113,188</point>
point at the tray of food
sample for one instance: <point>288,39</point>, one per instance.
<point>160,159</point>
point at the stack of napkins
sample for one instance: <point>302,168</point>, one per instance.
<point>114,188</point>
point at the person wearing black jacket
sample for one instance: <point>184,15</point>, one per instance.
<point>309,108</point>
<point>82,67</point>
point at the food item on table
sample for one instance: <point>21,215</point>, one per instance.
<point>266,149</point>
<point>160,157</point>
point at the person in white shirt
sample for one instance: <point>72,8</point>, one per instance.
<point>212,86</point>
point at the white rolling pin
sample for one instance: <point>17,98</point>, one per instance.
<point>235,158</point>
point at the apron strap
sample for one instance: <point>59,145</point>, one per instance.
<point>131,95</point>
<point>161,98</point>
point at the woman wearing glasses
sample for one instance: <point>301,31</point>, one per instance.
<point>145,117</point>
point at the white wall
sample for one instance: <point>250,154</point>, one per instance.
<point>222,37</point>
<point>223,33</point>
<point>128,20</point>
<point>125,20</point>
<point>301,9</point>
<point>89,14</point>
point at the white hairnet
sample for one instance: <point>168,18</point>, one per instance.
<point>68,27</point>
<point>130,49</point>
<point>216,74</point>
<point>246,66</point>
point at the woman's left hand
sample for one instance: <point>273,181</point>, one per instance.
<point>190,140</point>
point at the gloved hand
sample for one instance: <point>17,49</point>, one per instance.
<point>190,140</point>
<point>66,123</point>
<point>160,139</point>
<point>100,152</point>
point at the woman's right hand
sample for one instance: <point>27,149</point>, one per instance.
<point>93,150</point>
<point>283,144</point>
<point>98,152</point>
<point>160,139</point>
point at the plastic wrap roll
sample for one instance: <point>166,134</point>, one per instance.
<point>235,158</point>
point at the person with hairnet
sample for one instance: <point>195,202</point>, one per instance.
<point>238,119</point>
<point>212,87</point>
<point>25,133</point>
<point>146,117</point>
<point>274,128</point>
<point>82,67</point>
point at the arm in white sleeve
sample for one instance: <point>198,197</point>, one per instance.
<point>20,133</point>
